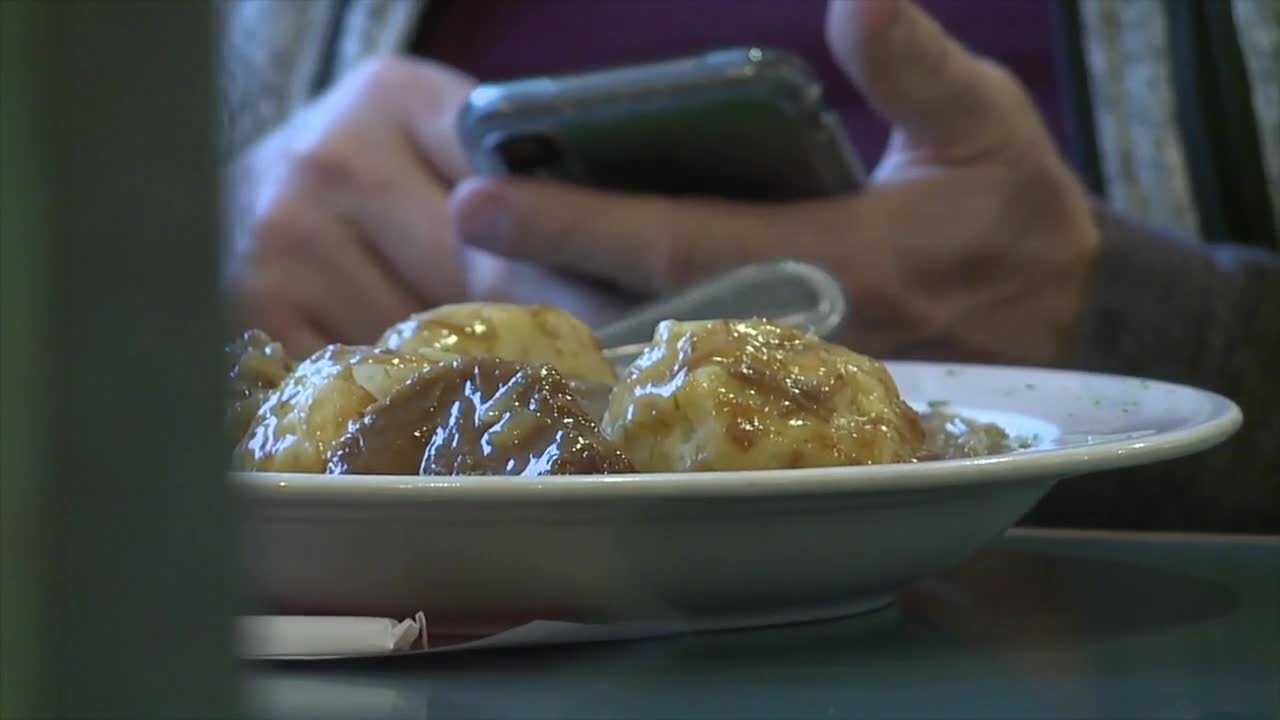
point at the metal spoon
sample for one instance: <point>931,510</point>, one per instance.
<point>787,292</point>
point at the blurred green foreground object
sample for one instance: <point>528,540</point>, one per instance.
<point>117,582</point>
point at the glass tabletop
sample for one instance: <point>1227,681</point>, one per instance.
<point>1039,625</point>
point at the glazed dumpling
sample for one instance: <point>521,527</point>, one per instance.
<point>298,422</point>
<point>531,334</point>
<point>746,395</point>
<point>478,416</point>
<point>256,366</point>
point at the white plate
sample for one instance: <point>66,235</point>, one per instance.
<point>707,549</point>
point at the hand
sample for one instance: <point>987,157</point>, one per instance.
<point>973,242</point>
<point>339,218</point>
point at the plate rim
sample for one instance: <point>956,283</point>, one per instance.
<point>1037,464</point>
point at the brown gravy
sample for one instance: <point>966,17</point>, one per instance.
<point>949,436</point>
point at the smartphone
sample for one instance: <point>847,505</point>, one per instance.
<point>739,123</point>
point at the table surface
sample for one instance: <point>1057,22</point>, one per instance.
<point>1042,624</point>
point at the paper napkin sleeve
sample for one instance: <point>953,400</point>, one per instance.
<point>268,636</point>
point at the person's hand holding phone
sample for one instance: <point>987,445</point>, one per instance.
<point>339,218</point>
<point>973,241</point>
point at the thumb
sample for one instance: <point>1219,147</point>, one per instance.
<point>646,243</point>
<point>946,100</point>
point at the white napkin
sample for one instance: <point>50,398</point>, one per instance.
<point>298,636</point>
<point>292,637</point>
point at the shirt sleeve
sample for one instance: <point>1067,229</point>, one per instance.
<point>271,55</point>
<point>1172,308</point>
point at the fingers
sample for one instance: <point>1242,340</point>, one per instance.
<point>425,97</point>
<point>339,217</point>
<point>494,279</point>
<point>364,177</point>
<point>312,277</point>
<point>405,224</point>
<point>921,80</point>
<point>266,307</point>
<point>644,243</point>
<point>363,297</point>
<point>306,308</point>
<point>433,111</point>
<point>299,339</point>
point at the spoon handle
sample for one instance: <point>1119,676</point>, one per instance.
<point>787,292</point>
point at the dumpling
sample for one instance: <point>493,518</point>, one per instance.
<point>746,395</point>
<point>530,334</point>
<point>299,421</point>
<point>478,416</point>
<point>258,365</point>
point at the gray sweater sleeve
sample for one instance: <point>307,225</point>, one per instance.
<point>1204,314</point>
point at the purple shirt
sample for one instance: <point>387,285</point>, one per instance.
<point>496,39</point>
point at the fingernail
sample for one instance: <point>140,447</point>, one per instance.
<point>481,214</point>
